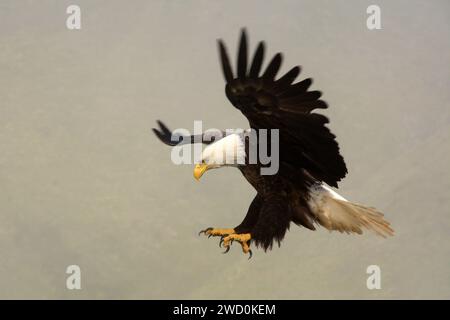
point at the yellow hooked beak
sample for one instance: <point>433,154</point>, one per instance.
<point>199,170</point>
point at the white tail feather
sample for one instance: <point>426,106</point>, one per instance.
<point>336,213</point>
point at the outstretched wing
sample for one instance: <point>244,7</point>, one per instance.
<point>173,139</point>
<point>270,103</point>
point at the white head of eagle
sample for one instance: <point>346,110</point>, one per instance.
<point>228,151</point>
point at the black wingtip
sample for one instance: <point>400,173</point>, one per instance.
<point>242,56</point>
<point>244,33</point>
<point>289,77</point>
<point>225,61</point>
<point>157,134</point>
<point>257,60</point>
<point>273,67</point>
<point>162,126</point>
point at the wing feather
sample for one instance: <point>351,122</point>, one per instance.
<point>288,78</point>
<point>297,89</point>
<point>226,66</point>
<point>305,141</point>
<point>273,67</point>
<point>242,57</point>
<point>257,61</point>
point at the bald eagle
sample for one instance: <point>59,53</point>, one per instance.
<point>310,163</point>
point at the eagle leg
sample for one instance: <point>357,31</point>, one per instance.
<point>242,238</point>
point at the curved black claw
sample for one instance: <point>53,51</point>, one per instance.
<point>227,249</point>
<point>204,231</point>
<point>164,134</point>
<point>250,254</point>
<point>221,241</point>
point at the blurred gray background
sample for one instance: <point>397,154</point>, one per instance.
<point>84,181</point>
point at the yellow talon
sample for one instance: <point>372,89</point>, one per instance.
<point>243,239</point>
<point>210,232</point>
<point>220,232</point>
<point>228,236</point>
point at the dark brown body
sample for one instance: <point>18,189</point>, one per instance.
<point>277,203</point>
